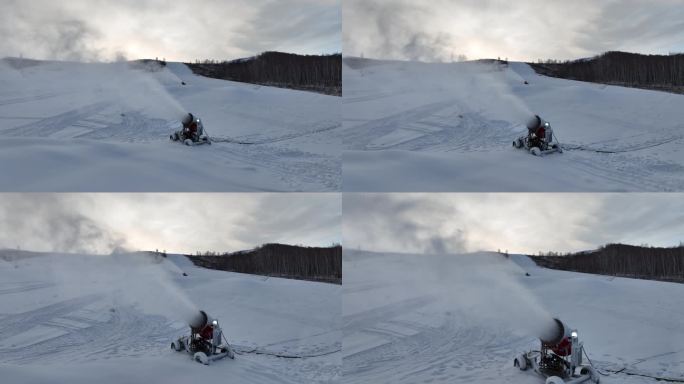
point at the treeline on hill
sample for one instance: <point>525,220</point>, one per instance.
<point>641,262</point>
<point>657,72</point>
<point>317,73</point>
<point>20,62</point>
<point>323,264</point>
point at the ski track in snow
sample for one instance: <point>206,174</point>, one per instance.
<point>639,148</point>
<point>294,135</point>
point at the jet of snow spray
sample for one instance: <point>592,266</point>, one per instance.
<point>479,289</point>
<point>143,90</point>
<point>493,293</point>
<point>478,88</point>
<point>488,90</point>
<point>139,280</point>
<point>128,87</point>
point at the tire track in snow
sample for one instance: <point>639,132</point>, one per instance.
<point>28,99</point>
<point>291,136</point>
<point>433,353</point>
<point>358,137</point>
<point>52,125</point>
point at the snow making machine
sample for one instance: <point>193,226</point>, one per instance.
<point>540,139</point>
<point>205,342</point>
<point>192,132</point>
<point>560,358</point>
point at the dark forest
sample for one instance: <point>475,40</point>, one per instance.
<point>316,73</point>
<point>280,260</point>
<point>656,72</point>
<point>641,262</point>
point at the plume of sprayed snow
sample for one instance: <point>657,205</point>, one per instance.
<point>139,280</point>
<point>142,90</point>
<point>491,293</point>
<point>129,86</point>
<point>485,88</point>
<point>496,96</point>
<point>480,290</point>
<point>480,88</point>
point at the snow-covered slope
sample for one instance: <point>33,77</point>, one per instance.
<point>105,127</point>
<point>462,319</point>
<point>110,319</point>
<point>449,127</point>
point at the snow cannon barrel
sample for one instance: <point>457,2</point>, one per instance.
<point>534,123</point>
<point>200,320</point>
<point>555,334</point>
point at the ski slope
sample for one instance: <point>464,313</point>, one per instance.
<point>463,318</point>
<point>449,127</point>
<point>80,127</point>
<point>111,319</point>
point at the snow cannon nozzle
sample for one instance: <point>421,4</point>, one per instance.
<point>200,320</point>
<point>188,118</point>
<point>556,333</point>
<point>535,122</point>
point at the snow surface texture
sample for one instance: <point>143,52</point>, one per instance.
<point>111,319</point>
<point>105,128</point>
<point>449,127</point>
<point>463,318</point>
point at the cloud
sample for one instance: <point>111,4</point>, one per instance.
<point>653,27</point>
<point>53,222</point>
<point>101,223</point>
<point>520,30</point>
<point>525,223</point>
<point>92,30</point>
<point>393,30</point>
<point>35,26</point>
<point>316,26</point>
<point>400,222</point>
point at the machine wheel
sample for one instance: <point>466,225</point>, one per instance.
<point>201,357</point>
<point>229,352</point>
<point>174,346</point>
<point>557,147</point>
<point>520,362</point>
<point>174,137</point>
<point>591,372</point>
<point>188,142</point>
<point>517,143</point>
<point>535,151</point>
<point>555,380</point>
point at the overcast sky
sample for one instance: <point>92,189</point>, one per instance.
<point>519,223</point>
<point>523,30</point>
<point>99,223</point>
<point>91,30</point>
